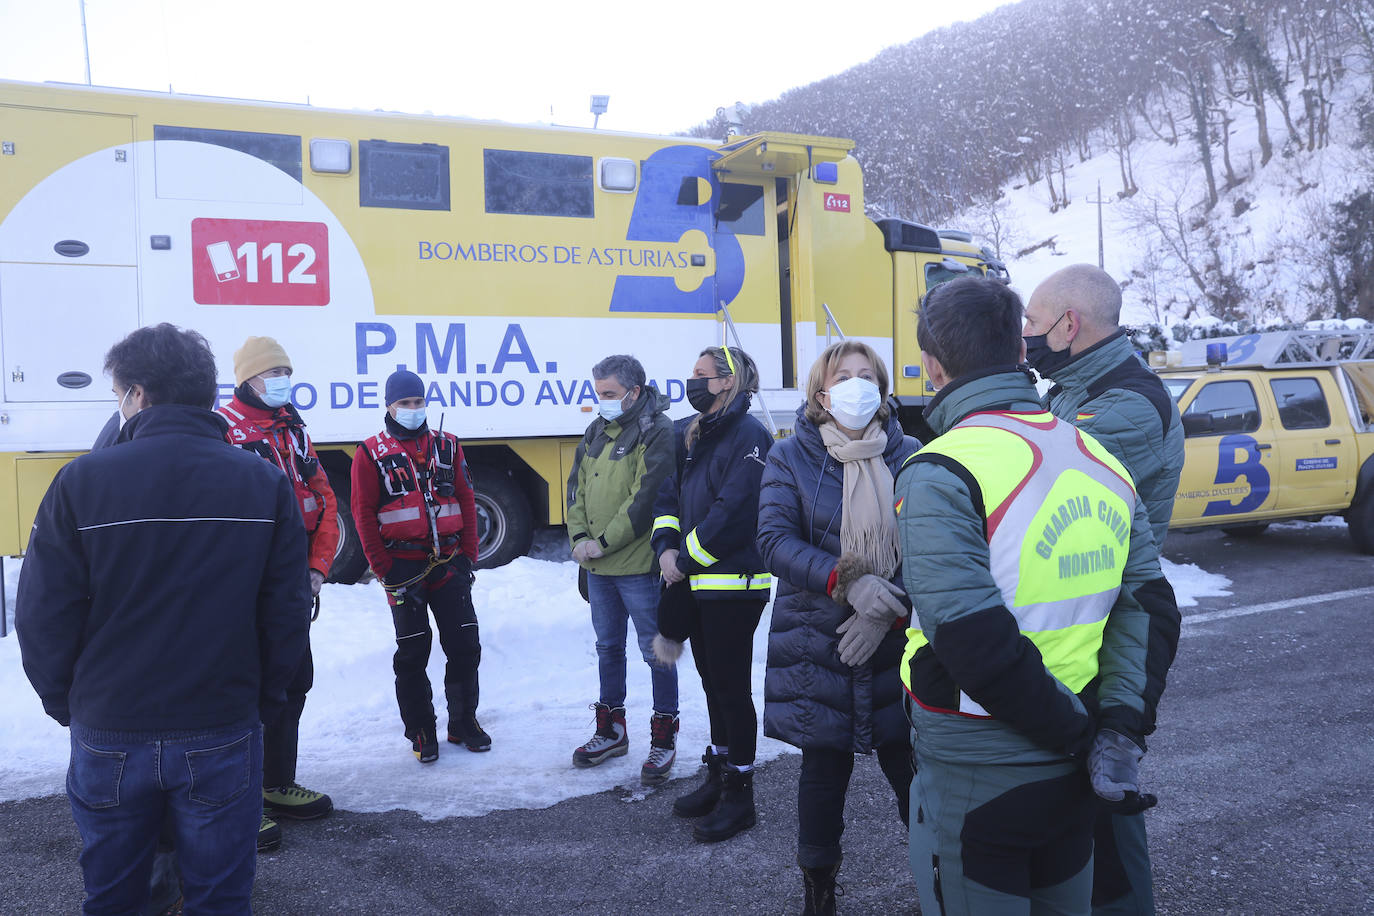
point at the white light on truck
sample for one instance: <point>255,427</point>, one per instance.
<point>617,175</point>
<point>333,156</point>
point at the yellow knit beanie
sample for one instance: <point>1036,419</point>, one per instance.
<point>256,356</point>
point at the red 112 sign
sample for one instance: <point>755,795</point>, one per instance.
<point>259,262</point>
<point>837,202</point>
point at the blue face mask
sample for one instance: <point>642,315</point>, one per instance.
<point>611,408</point>
<point>276,390</point>
<point>410,419</point>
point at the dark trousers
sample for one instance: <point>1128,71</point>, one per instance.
<point>723,648</point>
<point>281,736</point>
<point>821,792</point>
<point>446,594</point>
<point>1121,866</point>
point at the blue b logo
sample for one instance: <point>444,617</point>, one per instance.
<point>1229,470</point>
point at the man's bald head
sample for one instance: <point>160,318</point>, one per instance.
<point>1089,292</point>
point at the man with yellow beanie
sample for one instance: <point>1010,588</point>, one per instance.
<point>262,419</point>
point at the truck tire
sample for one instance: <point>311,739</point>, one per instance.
<point>1360,520</point>
<point>505,523</point>
<point>350,564</point>
<point>1246,531</point>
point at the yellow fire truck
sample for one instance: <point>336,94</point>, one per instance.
<point>499,262</point>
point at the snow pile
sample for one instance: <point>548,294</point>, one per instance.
<point>538,676</point>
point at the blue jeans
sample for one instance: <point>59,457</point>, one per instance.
<point>209,784</point>
<point>616,600</point>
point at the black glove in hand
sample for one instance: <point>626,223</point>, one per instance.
<point>1114,768</point>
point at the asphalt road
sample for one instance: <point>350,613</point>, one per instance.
<point>1262,764</point>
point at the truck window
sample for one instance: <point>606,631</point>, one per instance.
<point>538,184</point>
<point>1221,408</point>
<point>403,176</point>
<point>281,150</point>
<point>939,272</point>
<point>1176,387</point>
<point>1301,403</point>
<point>741,208</point>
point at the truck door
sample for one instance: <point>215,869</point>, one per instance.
<point>1316,447</point>
<point>1230,468</point>
<point>68,280</point>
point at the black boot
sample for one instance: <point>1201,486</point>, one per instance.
<point>702,800</point>
<point>734,812</point>
<point>820,890</point>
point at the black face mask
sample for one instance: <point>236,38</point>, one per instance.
<point>699,394</point>
<point>1042,358</point>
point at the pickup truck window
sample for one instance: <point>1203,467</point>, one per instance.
<point>1301,403</point>
<point>1221,408</point>
<point>1176,387</point>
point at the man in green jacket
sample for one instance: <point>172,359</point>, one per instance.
<point>622,460</point>
<point>1023,546</point>
<point>1073,337</point>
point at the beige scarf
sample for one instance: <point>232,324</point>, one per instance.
<point>868,525</point>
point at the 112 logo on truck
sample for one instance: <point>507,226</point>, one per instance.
<point>259,262</point>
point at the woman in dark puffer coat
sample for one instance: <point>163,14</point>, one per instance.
<point>826,531</point>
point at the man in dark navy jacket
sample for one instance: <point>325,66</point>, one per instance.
<point>162,609</point>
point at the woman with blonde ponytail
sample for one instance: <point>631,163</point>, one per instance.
<point>715,588</point>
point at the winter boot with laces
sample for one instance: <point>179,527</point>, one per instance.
<point>820,890</point>
<point>269,835</point>
<point>702,800</point>
<point>662,749</point>
<point>424,744</point>
<point>467,732</point>
<point>296,802</point>
<point>609,741</point>
<point>734,812</point>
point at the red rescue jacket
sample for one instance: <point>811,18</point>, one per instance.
<point>279,436</point>
<point>397,483</point>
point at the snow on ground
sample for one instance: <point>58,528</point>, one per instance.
<point>539,674</point>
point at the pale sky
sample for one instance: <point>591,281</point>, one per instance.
<point>666,66</point>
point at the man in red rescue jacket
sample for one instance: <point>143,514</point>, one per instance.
<point>262,420</point>
<point>412,503</point>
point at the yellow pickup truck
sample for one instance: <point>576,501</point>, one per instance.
<point>1278,426</point>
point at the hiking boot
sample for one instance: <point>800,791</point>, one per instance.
<point>662,749</point>
<point>296,802</point>
<point>269,834</point>
<point>820,888</point>
<point>425,745</point>
<point>702,800</point>
<point>469,734</point>
<point>734,812</point>
<point>609,741</point>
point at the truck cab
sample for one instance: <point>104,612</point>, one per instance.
<point>1276,427</point>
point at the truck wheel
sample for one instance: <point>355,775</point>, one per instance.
<point>505,524</point>
<point>1246,531</point>
<point>350,564</point>
<point>1360,520</point>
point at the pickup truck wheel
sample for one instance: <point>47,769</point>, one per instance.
<point>350,564</point>
<point>505,524</point>
<point>1246,531</point>
<point>1360,520</point>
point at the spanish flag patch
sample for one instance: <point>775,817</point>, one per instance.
<point>899,505</point>
<point>1085,416</point>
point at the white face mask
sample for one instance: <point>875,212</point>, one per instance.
<point>410,419</point>
<point>853,402</point>
<point>120,409</point>
<point>276,390</point>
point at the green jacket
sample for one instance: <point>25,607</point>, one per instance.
<point>1108,392</point>
<point>615,477</point>
<point>974,637</point>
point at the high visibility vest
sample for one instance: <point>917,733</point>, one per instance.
<point>1057,509</point>
<point>408,490</point>
<point>285,445</point>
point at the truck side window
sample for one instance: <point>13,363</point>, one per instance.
<point>402,176</point>
<point>281,150</point>
<point>1301,403</point>
<point>538,184</point>
<point>740,208</point>
<point>1221,408</point>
